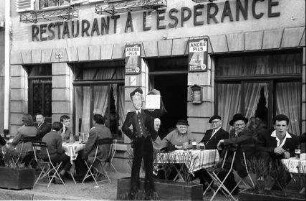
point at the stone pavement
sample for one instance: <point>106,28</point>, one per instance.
<point>71,191</point>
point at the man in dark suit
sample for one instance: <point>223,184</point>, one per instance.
<point>210,140</point>
<point>57,153</point>
<point>142,134</point>
<point>42,127</point>
<point>239,137</point>
<point>214,135</point>
<point>278,145</point>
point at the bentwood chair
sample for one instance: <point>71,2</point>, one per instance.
<point>96,167</point>
<point>48,169</point>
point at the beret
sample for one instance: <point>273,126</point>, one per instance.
<point>182,122</point>
<point>214,117</point>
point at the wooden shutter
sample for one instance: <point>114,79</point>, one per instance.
<point>24,5</point>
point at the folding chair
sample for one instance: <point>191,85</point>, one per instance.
<point>48,169</point>
<point>112,153</point>
<point>213,172</point>
<point>93,167</point>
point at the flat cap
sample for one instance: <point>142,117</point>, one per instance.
<point>137,91</point>
<point>214,117</point>
<point>237,117</point>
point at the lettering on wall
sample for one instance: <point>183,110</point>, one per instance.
<point>199,15</point>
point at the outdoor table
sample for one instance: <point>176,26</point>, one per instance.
<point>193,160</point>
<point>72,149</point>
<point>296,166</point>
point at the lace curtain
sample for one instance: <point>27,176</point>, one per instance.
<point>100,96</point>
<point>288,95</point>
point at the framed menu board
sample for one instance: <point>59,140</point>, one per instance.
<point>132,59</point>
<point>198,54</point>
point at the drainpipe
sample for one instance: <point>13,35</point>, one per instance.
<point>7,68</point>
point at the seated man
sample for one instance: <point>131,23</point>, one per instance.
<point>210,140</point>
<point>179,138</point>
<point>97,132</point>
<point>42,127</point>
<point>278,145</point>
<point>57,153</point>
<point>66,132</point>
<point>238,137</point>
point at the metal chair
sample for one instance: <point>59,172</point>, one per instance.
<point>112,153</point>
<point>213,172</point>
<point>43,159</point>
<point>96,168</point>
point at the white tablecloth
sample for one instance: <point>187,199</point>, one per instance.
<point>295,165</point>
<point>193,159</point>
<point>72,149</point>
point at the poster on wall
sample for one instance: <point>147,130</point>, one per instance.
<point>198,54</point>
<point>132,59</point>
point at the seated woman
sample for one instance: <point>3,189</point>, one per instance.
<point>53,140</point>
<point>25,148</point>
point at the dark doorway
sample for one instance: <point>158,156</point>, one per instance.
<point>173,89</point>
<point>169,76</point>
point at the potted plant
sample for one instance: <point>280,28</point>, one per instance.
<point>14,175</point>
<point>265,177</point>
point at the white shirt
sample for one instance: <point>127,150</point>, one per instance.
<point>279,144</point>
<point>214,132</point>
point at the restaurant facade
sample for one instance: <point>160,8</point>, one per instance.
<point>219,57</point>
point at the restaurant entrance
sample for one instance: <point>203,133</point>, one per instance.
<point>169,76</point>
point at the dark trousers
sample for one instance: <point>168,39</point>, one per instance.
<point>204,177</point>
<point>143,149</point>
<point>66,165</point>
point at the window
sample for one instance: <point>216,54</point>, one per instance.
<point>40,90</point>
<point>99,88</point>
<point>53,3</point>
<point>260,85</point>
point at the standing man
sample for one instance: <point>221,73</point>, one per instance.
<point>42,127</point>
<point>214,135</point>
<point>142,134</point>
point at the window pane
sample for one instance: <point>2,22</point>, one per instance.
<point>229,97</point>
<point>82,108</point>
<point>256,101</point>
<point>288,100</point>
<point>250,65</point>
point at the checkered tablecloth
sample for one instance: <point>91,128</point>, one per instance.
<point>193,159</point>
<point>295,165</point>
<point>72,149</point>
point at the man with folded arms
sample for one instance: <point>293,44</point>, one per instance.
<point>278,145</point>
<point>239,137</point>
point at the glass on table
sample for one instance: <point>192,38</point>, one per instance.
<point>185,145</point>
<point>202,146</point>
<point>297,152</point>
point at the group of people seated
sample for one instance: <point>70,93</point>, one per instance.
<point>54,135</point>
<point>250,140</point>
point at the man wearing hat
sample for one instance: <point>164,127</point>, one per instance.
<point>210,140</point>
<point>179,136</point>
<point>238,137</point>
<point>142,132</point>
<point>214,135</point>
